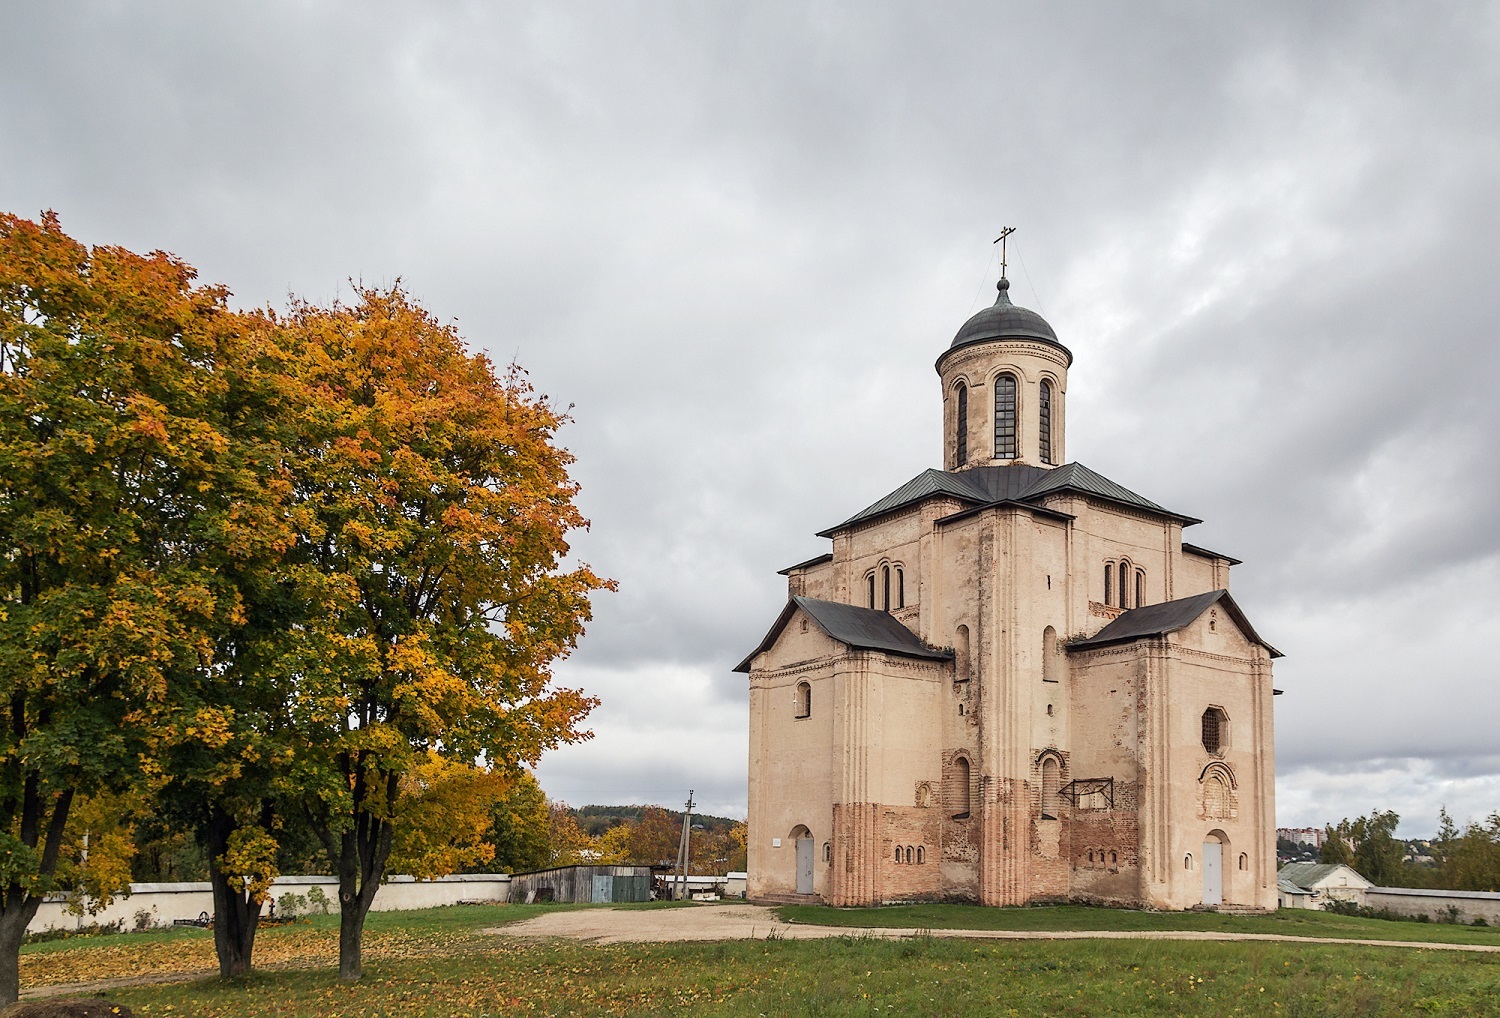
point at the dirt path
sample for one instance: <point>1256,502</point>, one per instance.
<point>752,922</point>
<point>98,985</point>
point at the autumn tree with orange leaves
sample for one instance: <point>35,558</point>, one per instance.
<point>127,504</point>
<point>437,512</point>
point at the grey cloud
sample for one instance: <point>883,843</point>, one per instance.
<point>735,239</point>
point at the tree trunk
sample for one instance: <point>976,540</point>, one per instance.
<point>18,908</point>
<point>358,855</point>
<point>15,915</point>
<point>351,930</point>
<point>235,918</point>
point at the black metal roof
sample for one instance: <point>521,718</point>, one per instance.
<point>1004,320</point>
<point>1193,549</point>
<point>1169,617</point>
<point>814,561</point>
<point>980,486</point>
<point>855,627</point>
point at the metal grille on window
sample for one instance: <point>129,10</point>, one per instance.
<point>1213,729</point>
<point>1044,421</point>
<point>1005,417</point>
<point>961,443</point>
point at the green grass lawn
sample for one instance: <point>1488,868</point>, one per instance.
<point>436,963</point>
<point>1294,922</point>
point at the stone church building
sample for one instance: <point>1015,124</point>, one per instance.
<point>1011,680</point>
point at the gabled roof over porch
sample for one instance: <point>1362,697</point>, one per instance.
<point>1169,617</point>
<point>855,627</point>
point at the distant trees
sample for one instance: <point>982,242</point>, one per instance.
<point>650,836</point>
<point>1369,845</point>
<point>1462,860</point>
<point>519,828</point>
<point>1469,859</point>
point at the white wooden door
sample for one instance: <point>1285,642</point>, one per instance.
<point>1213,873</point>
<point>804,865</point>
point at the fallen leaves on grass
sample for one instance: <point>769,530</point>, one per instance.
<point>283,947</point>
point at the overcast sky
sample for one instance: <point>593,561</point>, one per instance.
<point>736,236</point>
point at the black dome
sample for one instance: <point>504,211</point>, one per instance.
<point>1005,320</point>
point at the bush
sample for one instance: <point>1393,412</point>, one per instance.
<point>145,918</point>
<point>291,906</point>
<point>86,930</point>
<point>317,901</point>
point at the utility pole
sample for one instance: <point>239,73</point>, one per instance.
<point>682,848</point>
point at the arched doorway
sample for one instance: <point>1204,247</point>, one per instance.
<point>802,838</point>
<point>1215,847</point>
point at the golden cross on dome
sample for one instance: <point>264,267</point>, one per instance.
<point>1005,232</point>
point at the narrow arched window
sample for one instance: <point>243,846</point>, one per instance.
<point>885,582</point>
<point>804,700</point>
<point>1244,861</point>
<point>898,855</point>
<point>1109,585</point>
<point>1005,417</point>
<point>909,854</point>
<point>827,852</point>
<point>1124,584</point>
<point>900,587</point>
<point>961,660</point>
<point>1091,857</point>
<point>961,427</point>
<point>1049,655</point>
<point>1044,421</point>
<point>958,798</point>
<point>1140,587</point>
<point>1051,782</point>
<point>922,855</point>
<point>870,580</point>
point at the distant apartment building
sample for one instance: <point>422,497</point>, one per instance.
<point>1302,835</point>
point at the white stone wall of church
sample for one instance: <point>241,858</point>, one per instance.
<point>793,760</point>
<point>1214,667</point>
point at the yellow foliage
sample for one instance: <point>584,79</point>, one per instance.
<point>443,817</point>
<point>97,849</point>
<point>249,862</point>
<point>614,845</point>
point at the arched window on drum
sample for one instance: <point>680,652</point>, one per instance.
<point>1044,422</point>
<point>1005,417</point>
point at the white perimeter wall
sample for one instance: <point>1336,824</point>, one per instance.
<point>167,902</point>
<point>1422,901</point>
